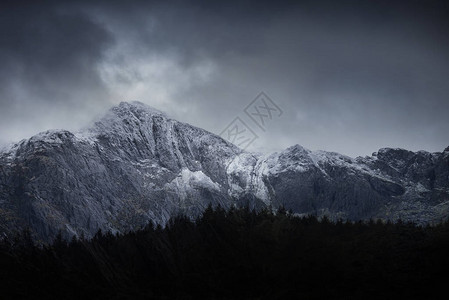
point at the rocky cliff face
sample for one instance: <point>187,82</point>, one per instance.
<point>136,165</point>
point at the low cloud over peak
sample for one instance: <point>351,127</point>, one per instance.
<point>351,76</point>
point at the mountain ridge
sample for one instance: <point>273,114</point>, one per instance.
<point>136,165</point>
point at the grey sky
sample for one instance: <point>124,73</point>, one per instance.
<point>350,76</point>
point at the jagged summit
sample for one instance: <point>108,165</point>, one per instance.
<point>135,165</point>
<point>128,114</point>
<point>136,107</point>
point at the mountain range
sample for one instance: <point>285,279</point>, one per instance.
<point>136,165</point>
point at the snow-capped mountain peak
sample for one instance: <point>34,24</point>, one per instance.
<point>136,165</point>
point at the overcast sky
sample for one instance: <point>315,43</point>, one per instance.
<point>349,76</point>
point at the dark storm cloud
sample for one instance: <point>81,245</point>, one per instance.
<point>48,56</point>
<point>351,76</point>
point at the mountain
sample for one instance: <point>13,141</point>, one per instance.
<point>136,165</point>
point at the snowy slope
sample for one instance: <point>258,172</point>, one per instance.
<point>136,165</point>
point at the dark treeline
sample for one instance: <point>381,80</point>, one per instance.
<point>236,254</point>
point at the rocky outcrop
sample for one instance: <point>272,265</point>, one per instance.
<point>136,165</point>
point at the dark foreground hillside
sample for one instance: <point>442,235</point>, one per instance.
<point>235,255</point>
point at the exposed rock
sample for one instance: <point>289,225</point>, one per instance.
<point>136,165</point>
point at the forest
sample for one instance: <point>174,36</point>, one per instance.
<point>234,254</point>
